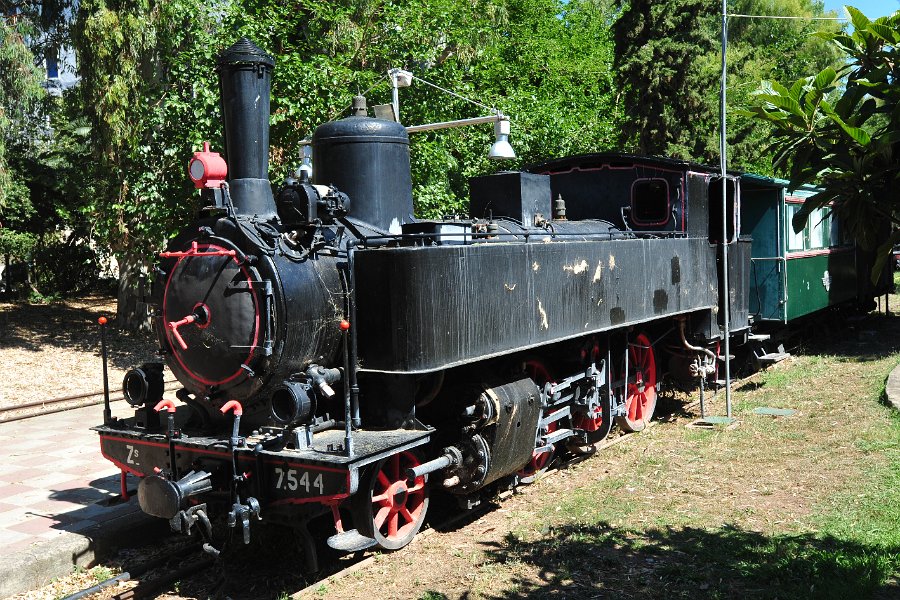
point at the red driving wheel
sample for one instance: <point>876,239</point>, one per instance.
<point>640,390</point>
<point>389,509</point>
<point>539,460</point>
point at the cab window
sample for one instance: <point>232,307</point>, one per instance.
<point>650,202</point>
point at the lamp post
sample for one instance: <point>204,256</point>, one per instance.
<point>500,149</point>
<point>723,162</point>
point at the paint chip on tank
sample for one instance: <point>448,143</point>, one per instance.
<point>545,324</point>
<point>577,268</point>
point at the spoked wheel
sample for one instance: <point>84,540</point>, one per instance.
<point>597,423</point>
<point>388,509</point>
<point>640,394</point>
<point>539,460</point>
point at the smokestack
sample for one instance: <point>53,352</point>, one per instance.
<point>245,79</point>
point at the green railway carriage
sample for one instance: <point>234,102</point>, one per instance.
<point>796,274</point>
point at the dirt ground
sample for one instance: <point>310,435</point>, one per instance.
<point>50,351</point>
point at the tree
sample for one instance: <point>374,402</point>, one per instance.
<point>20,96</point>
<point>840,130</point>
<point>668,61</point>
<point>660,47</point>
<point>147,106</point>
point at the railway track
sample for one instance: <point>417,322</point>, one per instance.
<point>54,405</point>
<point>153,576</point>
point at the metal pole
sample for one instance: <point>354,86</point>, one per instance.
<point>395,97</point>
<point>723,160</point>
<point>457,123</point>
<point>107,413</point>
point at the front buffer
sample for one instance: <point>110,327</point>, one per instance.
<point>193,480</point>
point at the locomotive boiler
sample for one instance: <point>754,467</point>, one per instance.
<point>340,357</point>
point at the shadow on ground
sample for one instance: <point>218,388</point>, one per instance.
<point>577,561</point>
<point>855,337</point>
<point>32,327</point>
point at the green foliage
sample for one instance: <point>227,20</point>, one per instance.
<point>15,244</point>
<point>20,94</point>
<point>146,107</point>
<point>668,62</point>
<point>659,47</point>
<point>840,129</point>
<point>66,267</point>
<point>150,94</point>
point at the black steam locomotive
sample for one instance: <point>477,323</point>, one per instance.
<point>340,357</point>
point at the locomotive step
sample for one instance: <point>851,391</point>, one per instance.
<point>350,541</point>
<point>773,357</point>
<point>759,337</point>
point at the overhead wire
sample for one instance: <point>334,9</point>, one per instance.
<point>797,18</point>
<point>460,96</point>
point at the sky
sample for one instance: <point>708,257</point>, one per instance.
<point>871,8</point>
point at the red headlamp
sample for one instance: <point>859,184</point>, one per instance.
<point>207,169</point>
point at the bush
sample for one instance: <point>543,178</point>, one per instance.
<point>66,268</point>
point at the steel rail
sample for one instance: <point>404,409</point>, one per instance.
<point>146,589</point>
<point>55,401</point>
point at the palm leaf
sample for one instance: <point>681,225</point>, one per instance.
<point>889,35</point>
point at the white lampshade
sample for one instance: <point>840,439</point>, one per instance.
<point>501,148</point>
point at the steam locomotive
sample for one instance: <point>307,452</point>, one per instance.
<point>340,357</point>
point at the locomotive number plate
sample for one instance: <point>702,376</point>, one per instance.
<point>295,483</point>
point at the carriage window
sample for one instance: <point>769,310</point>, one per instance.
<point>650,202</point>
<point>794,240</point>
<point>819,228</point>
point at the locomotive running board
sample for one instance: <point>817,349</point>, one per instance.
<point>321,473</point>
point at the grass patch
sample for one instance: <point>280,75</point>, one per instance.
<point>798,506</point>
<point>677,562</point>
<point>805,506</point>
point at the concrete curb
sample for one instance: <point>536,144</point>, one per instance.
<point>39,564</point>
<point>892,388</point>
